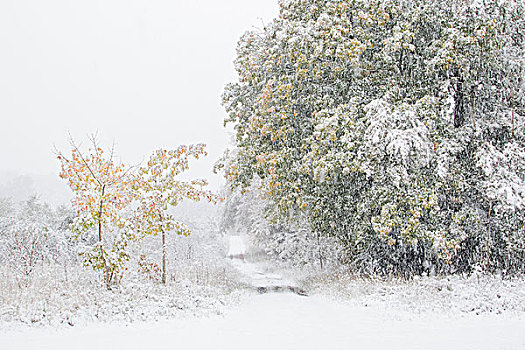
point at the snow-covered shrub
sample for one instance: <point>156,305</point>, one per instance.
<point>454,296</point>
<point>34,234</point>
<point>287,241</point>
<point>59,290</point>
<point>300,246</point>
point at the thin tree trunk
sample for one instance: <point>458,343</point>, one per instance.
<point>101,246</point>
<point>100,217</point>
<point>164,253</point>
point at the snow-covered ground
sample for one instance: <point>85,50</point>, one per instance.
<point>284,321</point>
<point>253,274</point>
<point>354,314</point>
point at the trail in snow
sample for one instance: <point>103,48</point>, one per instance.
<point>255,274</point>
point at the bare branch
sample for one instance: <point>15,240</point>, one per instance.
<point>75,147</point>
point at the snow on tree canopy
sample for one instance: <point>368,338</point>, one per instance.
<point>394,126</point>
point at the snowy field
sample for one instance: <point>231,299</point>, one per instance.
<point>360,181</point>
<point>285,321</point>
<point>341,313</point>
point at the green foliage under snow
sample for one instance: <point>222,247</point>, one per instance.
<point>397,127</point>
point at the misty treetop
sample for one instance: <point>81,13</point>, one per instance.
<point>396,127</point>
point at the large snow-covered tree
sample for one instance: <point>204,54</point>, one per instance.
<point>378,120</point>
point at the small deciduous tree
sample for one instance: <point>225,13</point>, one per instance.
<point>105,191</point>
<point>157,188</point>
<point>102,189</point>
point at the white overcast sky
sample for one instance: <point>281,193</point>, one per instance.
<point>143,73</point>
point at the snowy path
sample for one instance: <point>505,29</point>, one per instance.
<point>254,274</point>
<point>283,321</point>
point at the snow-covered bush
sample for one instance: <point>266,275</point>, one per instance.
<point>33,235</point>
<point>43,281</point>
<point>246,213</point>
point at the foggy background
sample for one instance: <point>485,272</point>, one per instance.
<point>143,74</point>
